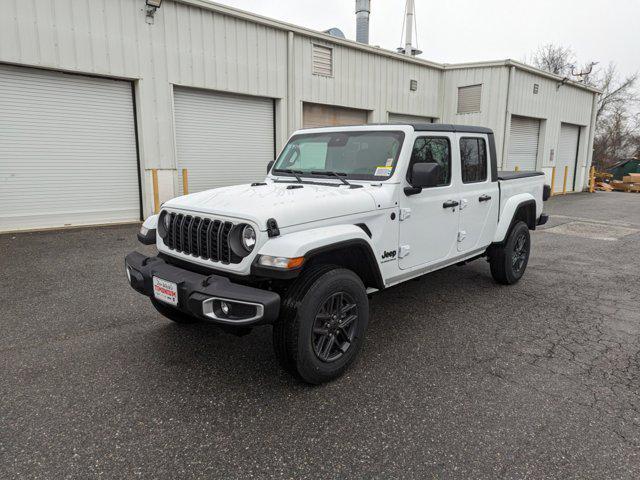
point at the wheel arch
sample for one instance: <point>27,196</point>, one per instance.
<point>518,208</point>
<point>355,254</point>
<point>345,245</point>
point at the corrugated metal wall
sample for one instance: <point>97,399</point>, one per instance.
<point>494,82</point>
<point>365,81</point>
<point>552,104</point>
<point>215,48</point>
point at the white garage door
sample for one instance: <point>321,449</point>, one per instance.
<point>315,115</point>
<point>67,150</point>
<point>222,139</point>
<point>523,143</point>
<point>567,154</point>
<point>401,118</point>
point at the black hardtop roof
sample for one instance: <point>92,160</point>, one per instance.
<point>447,127</point>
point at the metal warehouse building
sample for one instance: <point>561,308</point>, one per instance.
<point>95,95</point>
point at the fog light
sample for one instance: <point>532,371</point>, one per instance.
<point>224,306</point>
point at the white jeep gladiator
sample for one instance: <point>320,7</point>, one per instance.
<point>343,212</point>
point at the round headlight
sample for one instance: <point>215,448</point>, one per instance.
<point>164,222</point>
<point>248,237</point>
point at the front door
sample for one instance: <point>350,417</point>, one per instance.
<point>429,219</point>
<point>478,194</point>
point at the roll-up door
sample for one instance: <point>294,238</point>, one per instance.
<point>67,150</point>
<point>401,118</point>
<point>567,155</point>
<point>222,139</point>
<point>523,143</point>
<point>315,115</point>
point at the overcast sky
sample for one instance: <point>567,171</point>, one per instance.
<point>452,31</point>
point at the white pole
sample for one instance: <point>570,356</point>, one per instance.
<point>408,45</point>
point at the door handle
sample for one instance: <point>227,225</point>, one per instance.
<point>484,198</point>
<point>450,204</point>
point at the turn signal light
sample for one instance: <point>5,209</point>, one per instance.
<point>280,262</point>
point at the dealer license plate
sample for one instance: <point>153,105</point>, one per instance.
<point>165,291</point>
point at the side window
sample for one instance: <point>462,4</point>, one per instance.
<point>473,157</point>
<point>433,150</point>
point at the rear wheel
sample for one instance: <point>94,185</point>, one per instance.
<point>172,313</point>
<point>324,319</point>
<point>509,261</point>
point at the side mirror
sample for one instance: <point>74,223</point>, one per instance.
<point>269,165</point>
<point>423,175</point>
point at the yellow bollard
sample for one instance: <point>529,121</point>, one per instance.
<point>185,182</point>
<point>517,169</point>
<point>553,179</point>
<point>592,180</point>
<point>156,193</point>
<point>564,182</point>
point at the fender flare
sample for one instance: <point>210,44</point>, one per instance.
<point>151,222</point>
<point>313,242</point>
<point>151,225</point>
<point>508,212</point>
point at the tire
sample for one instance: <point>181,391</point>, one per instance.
<point>308,341</point>
<point>509,261</point>
<point>172,314</point>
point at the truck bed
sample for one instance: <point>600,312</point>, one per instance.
<point>509,175</point>
<point>515,183</point>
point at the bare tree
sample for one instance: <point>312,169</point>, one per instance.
<point>555,59</point>
<point>615,92</point>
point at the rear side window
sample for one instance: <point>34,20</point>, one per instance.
<point>433,150</point>
<point>473,156</point>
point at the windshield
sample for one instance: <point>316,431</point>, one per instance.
<point>370,155</point>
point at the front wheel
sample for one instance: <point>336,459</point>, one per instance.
<point>509,261</point>
<point>323,323</point>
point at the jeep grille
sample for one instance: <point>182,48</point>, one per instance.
<point>200,237</point>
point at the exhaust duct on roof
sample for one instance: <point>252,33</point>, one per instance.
<point>363,9</point>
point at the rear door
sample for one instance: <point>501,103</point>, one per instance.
<point>567,157</point>
<point>523,143</point>
<point>428,227</point>
<point>479,201</point>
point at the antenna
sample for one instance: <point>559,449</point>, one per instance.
<point>408,25</point>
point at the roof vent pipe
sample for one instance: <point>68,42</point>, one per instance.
<point>363,9</point>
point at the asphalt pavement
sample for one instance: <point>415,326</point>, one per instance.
<point>459,377</point>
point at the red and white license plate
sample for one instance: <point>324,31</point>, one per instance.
<point>165,291</point>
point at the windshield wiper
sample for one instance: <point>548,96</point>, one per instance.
<point>332,174</point>
<point>295,173</point>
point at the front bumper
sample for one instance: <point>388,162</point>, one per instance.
<point>199,294</point>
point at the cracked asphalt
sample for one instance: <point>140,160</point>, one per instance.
<point>459,377</point>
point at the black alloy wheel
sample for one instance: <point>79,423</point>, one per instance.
<point>335,326</point>
<point>520,252</point>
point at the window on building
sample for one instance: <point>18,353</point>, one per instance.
<point>469,98</point>
<point>322,60</point>
<point>473,157</point>
<point>432,150</point>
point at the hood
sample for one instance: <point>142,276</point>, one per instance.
<point>289,206</point>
